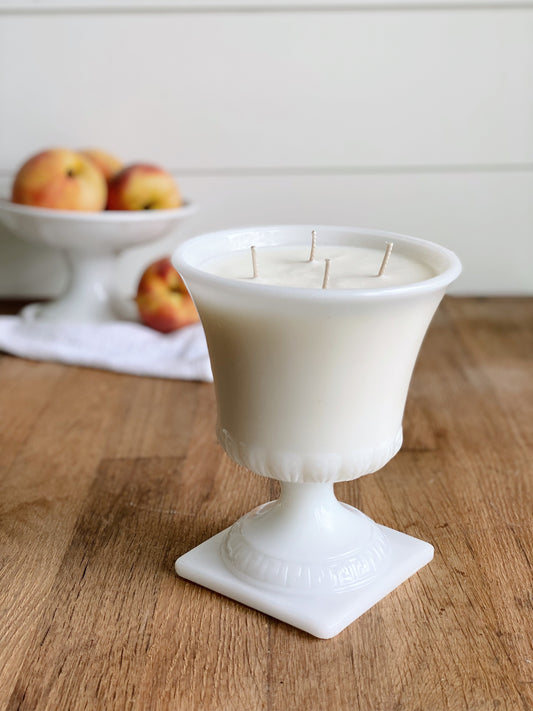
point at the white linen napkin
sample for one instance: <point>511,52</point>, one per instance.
<point>121,346</point>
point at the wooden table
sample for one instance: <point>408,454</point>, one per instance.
<point>106,479</point>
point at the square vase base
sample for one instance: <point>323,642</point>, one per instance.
<point>322,615</point>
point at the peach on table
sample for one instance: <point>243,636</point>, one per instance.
<point>162,299</point>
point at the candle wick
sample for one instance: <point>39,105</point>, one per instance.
<point>313,246</point>
<point>385,258</point>
<point>254,262</point>
<point>326,274</point>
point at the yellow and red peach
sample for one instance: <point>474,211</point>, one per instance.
<point>163,300</point>
<point>108,164</point>
<point>142,186</point>
<point>62,179</point>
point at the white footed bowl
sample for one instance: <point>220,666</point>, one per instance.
<point>91,232</point>
<point>91,242</point>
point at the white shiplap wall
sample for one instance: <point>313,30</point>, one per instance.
<point>415,117</point>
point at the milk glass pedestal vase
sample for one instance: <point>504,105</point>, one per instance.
<point>311,386</point>
<point>91,243</point>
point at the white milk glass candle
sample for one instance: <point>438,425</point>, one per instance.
<point>313,337</point>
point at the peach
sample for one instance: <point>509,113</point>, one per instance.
<point>62,179</point>
<point>108,164</point>
<point>163,300</point>
<point>143,187</point>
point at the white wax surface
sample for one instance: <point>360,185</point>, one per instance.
<point>350,267</point>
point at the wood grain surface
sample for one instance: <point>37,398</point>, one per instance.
<point>105,479</point>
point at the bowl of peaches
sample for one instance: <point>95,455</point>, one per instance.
<point>92,207</point>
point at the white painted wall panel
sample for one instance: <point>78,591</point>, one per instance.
<point>223,91</point>
<point>410,119</point>
<point>486,218</point>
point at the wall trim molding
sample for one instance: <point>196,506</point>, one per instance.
<point>6,175</point>
<point>191,6</point>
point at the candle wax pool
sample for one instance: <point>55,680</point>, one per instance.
<point>351,267</point>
